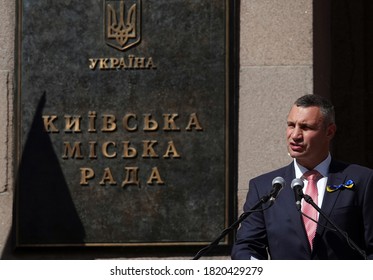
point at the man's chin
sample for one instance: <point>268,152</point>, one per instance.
<point>295,155</point>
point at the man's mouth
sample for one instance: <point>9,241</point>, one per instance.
<point>296,147</point>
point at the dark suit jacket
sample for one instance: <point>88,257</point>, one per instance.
<point>279,230</point>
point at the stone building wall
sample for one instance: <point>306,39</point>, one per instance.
<point>276,66</point>
<point>7,74</point>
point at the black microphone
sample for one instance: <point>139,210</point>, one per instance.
<point>297,186</point>
<point>277,184</point>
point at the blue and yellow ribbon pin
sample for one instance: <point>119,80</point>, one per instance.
<point>348,185</point>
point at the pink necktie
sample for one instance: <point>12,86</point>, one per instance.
<point>312,177</point>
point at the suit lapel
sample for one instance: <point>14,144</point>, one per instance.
<point>294,215</point>
<point>335,177</point>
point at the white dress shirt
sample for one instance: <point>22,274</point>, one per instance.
<point>323,169</point>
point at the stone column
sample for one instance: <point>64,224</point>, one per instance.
<point>7,45</point>
<point>275,68</point>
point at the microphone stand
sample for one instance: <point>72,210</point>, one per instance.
<point>243,216</point>
<point>352,244</point>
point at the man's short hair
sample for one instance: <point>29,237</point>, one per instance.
<point>326,107</point>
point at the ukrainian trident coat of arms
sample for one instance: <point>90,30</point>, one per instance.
<point>122,23</point>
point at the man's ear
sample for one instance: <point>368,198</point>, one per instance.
<point>331,130</point>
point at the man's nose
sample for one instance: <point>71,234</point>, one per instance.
<point>296,133</point>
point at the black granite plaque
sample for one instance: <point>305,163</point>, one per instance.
<point>123,122</point>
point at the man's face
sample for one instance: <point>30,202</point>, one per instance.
<point>308,138</point>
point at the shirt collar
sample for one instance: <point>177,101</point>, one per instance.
<point>322,168</point>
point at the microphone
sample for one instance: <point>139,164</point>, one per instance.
<point>297,186</point>
<point>277,184</point>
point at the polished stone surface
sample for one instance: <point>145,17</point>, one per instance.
<point>187,201</point>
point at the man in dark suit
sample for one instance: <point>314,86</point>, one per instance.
<point>344,192</point>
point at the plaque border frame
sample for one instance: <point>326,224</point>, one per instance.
<point>231,149</point>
